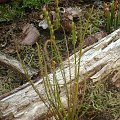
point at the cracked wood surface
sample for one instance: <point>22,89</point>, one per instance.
<point>98,60</point>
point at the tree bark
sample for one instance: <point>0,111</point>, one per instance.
<point>98,62</point>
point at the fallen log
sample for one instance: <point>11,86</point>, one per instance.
<point>98,62</point>
<point>15,65</point>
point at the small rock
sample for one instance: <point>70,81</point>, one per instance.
<point>30,34</point>
<point>100,35</point>
<point>74,12</point>
<point>43,24</point>
<point>89,41</point>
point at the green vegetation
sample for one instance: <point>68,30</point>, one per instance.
<point>33,3</point>
<point>8,80</point>
<point>17,8</point>
<point>10,11</point>
<point>99,99</point>
<point>112,15</point>
<point>52,87</point>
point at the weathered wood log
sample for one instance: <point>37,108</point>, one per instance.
<point>15,65</point>
<point>98,62</point>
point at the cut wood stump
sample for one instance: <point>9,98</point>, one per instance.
<point>99,61</point>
